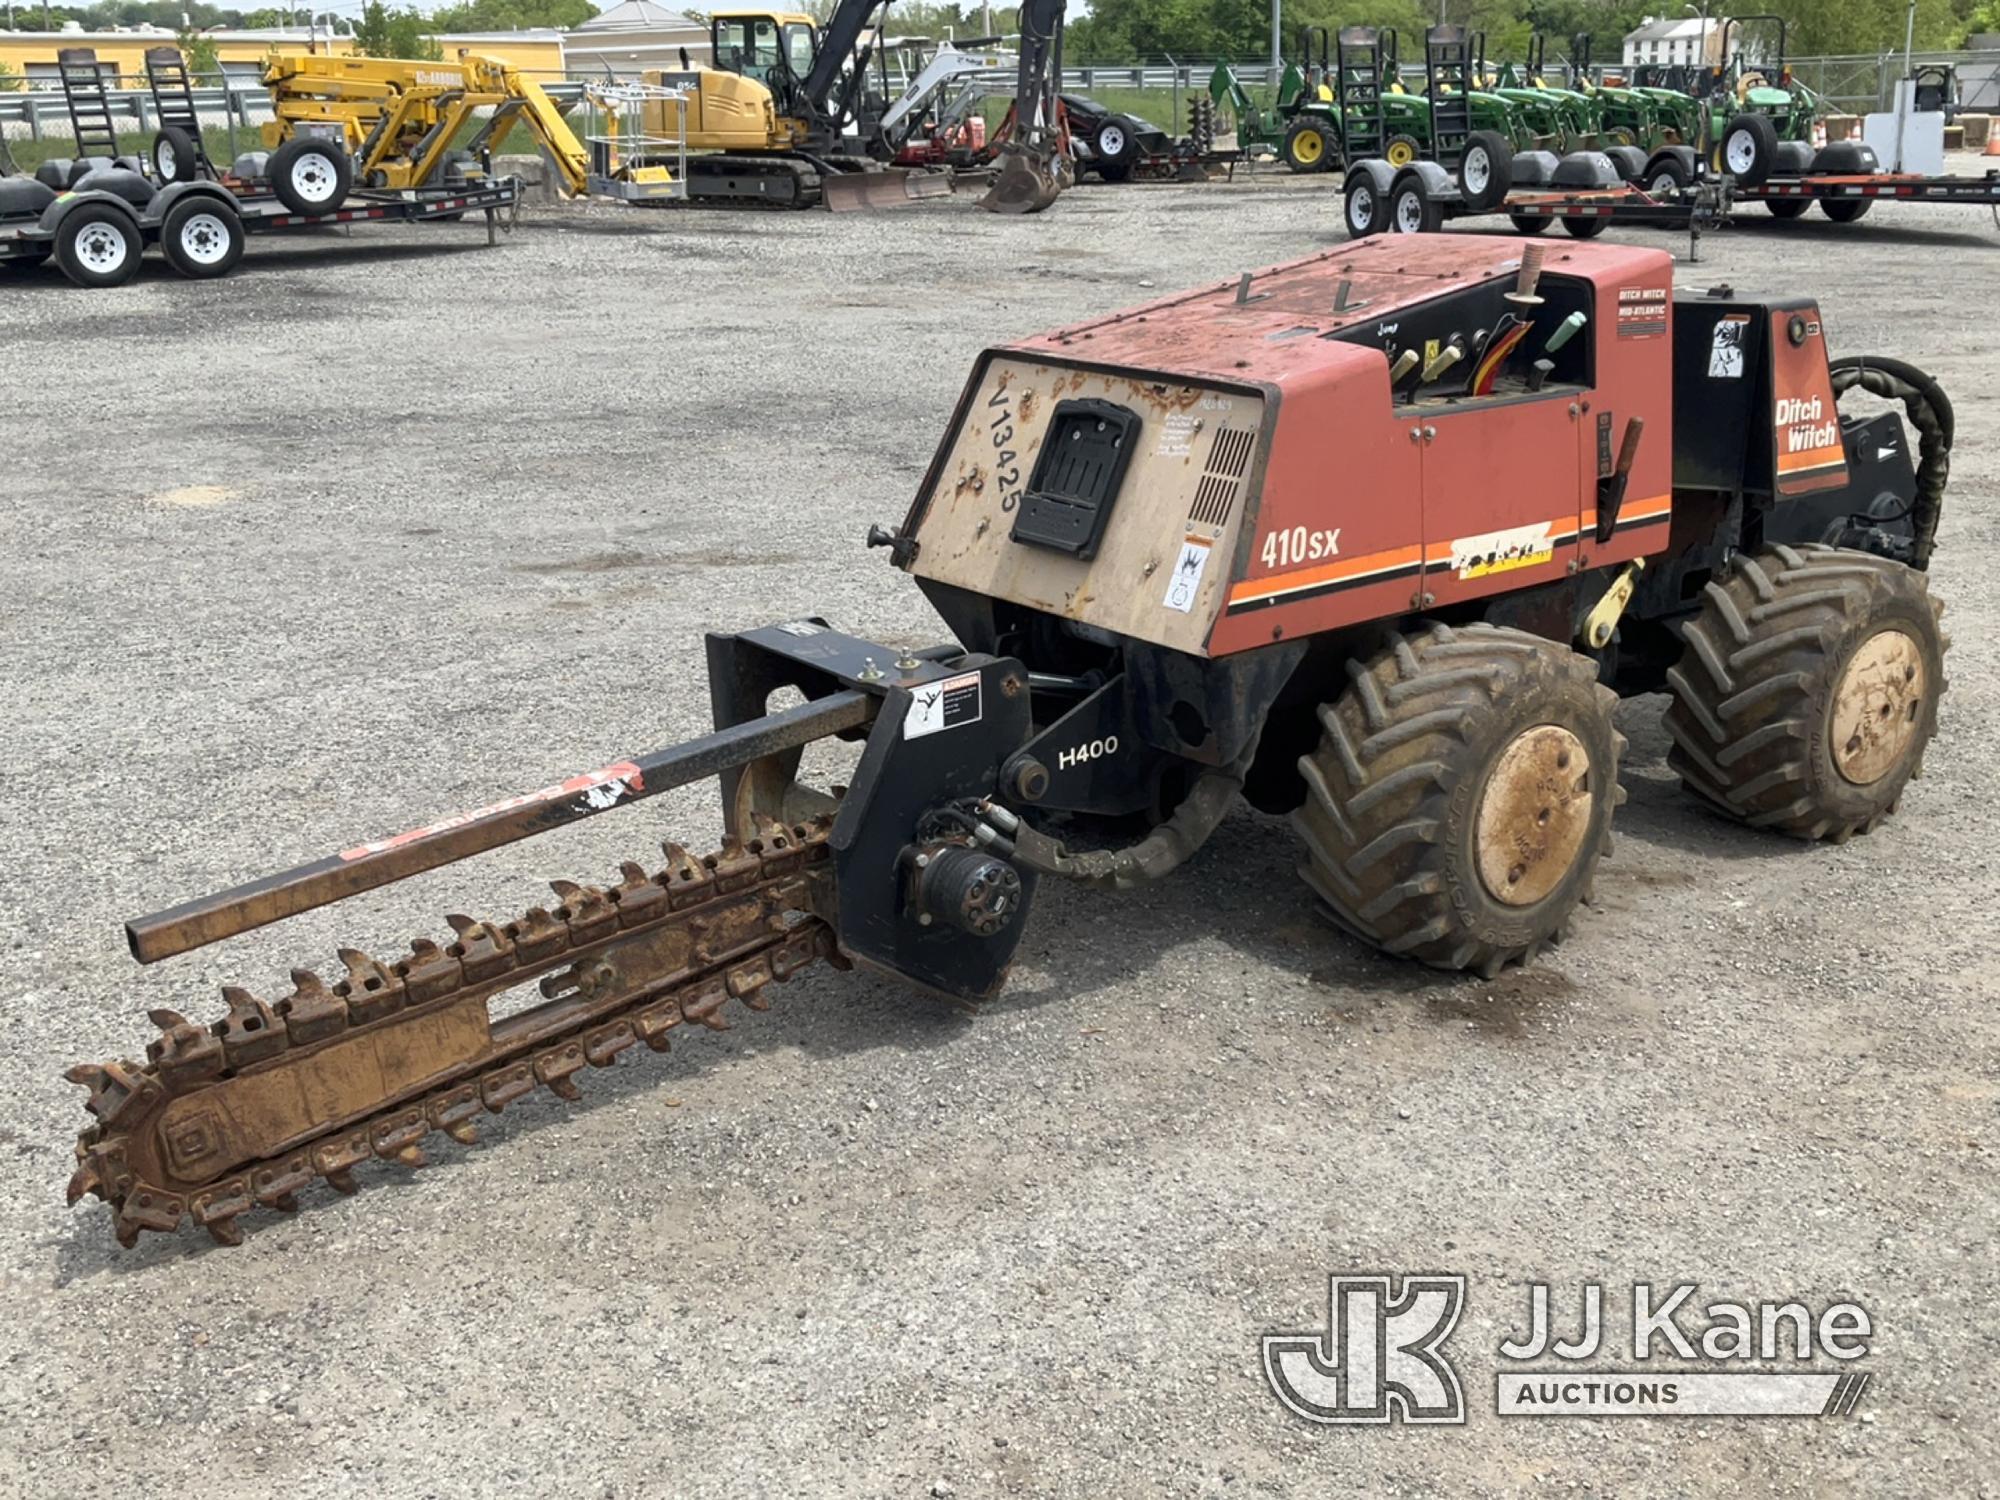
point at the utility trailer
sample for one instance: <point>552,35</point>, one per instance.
<point>98,232</point>
<point>1589,191</point>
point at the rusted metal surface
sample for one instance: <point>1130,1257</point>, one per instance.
<point>385,861</point>
<point>1534,815</point>
<point>246,1111</point>
<point>1876,707</point>
<point>1025,181</point>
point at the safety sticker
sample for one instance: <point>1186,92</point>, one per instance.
<point>802,628</point>
<point>1186,580</point>
<point>942,705</point>
<point>1502,551</point>
<point>1725,352</point>
<point>1176,433</point>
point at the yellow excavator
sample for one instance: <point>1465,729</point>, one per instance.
<point>397,124</point>
<point>783,111</point>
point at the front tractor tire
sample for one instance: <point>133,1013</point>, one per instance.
<point>1809,690</point>
<point>1461,795</point>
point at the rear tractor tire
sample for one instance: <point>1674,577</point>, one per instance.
<point>1461,795</point>
<point>1809,690</point>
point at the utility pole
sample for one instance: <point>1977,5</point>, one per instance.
<point>1277,27</point>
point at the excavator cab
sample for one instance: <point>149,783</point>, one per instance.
<point>765,46</point>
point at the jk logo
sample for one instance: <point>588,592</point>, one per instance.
<point>1378,1359</point>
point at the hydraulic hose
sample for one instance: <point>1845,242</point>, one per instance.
<point>1157,855</point>
<point>1929,410</point>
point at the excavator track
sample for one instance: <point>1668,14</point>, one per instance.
<point>246,1112</point>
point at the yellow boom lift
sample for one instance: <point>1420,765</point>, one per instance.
<point>398,124</point>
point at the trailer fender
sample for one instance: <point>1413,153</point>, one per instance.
<point>1848,158</point>
<point>1534,168</point>
<point>118,182</point>
<point>175,192</point>
<point>21,197</point>
<point>1794,159</point>
<point>1591,170</point>
<point>68,203</point>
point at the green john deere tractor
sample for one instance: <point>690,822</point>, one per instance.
<point>1562,118</point>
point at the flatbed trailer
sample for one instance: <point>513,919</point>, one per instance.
<point>99,237</point>
<point>1424,196</point>
<point>1845,197</point>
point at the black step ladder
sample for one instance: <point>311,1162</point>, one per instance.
<point>1448,82</point>
<point>89,106</point>
<point>173,100</point>
<point>1361,57</point>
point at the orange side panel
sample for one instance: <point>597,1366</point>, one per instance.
<point>1805,428</point>
<point>1336,538</point>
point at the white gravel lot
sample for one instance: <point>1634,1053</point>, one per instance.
<point>367,533</point>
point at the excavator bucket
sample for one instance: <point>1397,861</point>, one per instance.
<point>846,191</point>
<point>1026,182</point>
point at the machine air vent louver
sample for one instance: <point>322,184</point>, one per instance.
<point>1228,461</point>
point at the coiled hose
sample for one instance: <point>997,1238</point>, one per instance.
<point>1929,410</point>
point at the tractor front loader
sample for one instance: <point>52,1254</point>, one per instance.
<point>1375,539</point>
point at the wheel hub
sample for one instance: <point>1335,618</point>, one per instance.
<point>1477,171</point>
<point>1740,153</point>
<point>101,248</point>
<point>204,239</point>
<point>1409,213</point>
<point>1876,706</point>
<point>1534,815</point>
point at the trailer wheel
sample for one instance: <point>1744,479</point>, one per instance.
<point>1485,170</point>
<point>98,245</point>
<point>1367,209</point>
<point>176,157</point>
<point>1400,150</point>
<point>1845,210</point>
<point>1531,223</point>
<point>1750,148</point>
<point>1668,174</point>
<point>309,175</point>
<point>1306,147</point>
<point>1787,208</point>
<point>201,238</point>
<point>1461,795</point>
<point>1116,141</point>
<point>1586,226</point>
<point>1412,209</point>
<point>1112,171</point>
<point>1809,690</point>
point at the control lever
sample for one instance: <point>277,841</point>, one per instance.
<point>1611,488</point>
<point>1566,330</point>
<point>1538,374</point>
<point>1448,356</point>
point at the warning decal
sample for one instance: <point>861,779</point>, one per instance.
<point>942,705</point>
<point>1725,352</point>
<point>1188,568</point>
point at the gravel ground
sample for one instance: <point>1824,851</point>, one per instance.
<point>367,533</point>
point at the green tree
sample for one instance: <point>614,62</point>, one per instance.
<point>199,52</point>
<point>513,15</point>
<point>404,33</point>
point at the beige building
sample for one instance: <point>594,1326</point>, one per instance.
<point>633,36</point>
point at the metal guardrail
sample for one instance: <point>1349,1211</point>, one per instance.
<point>34,113</point>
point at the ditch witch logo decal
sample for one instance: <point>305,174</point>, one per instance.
<point>1382,1359</point>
